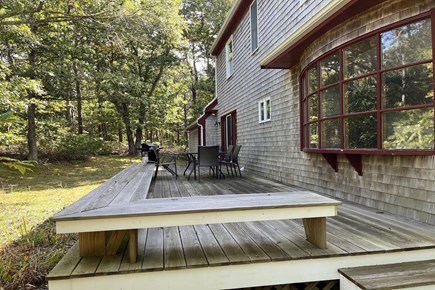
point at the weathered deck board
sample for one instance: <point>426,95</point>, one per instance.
<point>392,276</point>
<point>212,250</point>
<point>193,252</point>
<point>355,231</point>
<point>173,249</point>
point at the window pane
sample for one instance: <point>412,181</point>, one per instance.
<point>268,109</point>
<point>330,69</point>
<point>312,102</point>
<point>331,133</point>
<point>254,33</point>
<point>312,80</point>
<point>305,111</point>
<point>411,129</point>
<point>330,102</point>
<point>360,58</point>
<point>360,95</point>
<point>360,132</point>
<point>229,58</point>
<point>314,136</point>
<point>261,111</point>
<point>407,44</point>
<point>408,86</point>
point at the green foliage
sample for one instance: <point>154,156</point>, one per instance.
<point>111,69</point>
<point>79,147</point>
<point>21,166</point>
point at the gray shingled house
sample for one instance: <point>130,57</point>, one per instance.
<point>326,97</point>
<point>333,96</point>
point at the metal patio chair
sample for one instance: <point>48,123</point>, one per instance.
<point>208,156</point>
<point>167,161</point>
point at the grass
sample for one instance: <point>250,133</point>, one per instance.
<point>29,247</point>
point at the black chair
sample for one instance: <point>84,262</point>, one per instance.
<point>233,161</point>
<point>208,156</point>
<point>226,159</point>
<point>164,160</point>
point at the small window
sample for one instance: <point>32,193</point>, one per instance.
<point>254,26</point>
<point>264,112</point>
<point>229,57</point>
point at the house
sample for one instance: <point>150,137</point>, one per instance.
<point>335,96</point>
<point>330,96</point>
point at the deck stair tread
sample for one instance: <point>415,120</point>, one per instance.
<point>392,276</point>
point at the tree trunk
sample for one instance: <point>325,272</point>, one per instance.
<point>141,121</point>
<point>79,99</point>
<point>126,118</point>
<point>120,135</point>
<point>31,132</point>
<point>70,116</point>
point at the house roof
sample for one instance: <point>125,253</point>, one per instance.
<point>288,53</point>
<point>234,17</point>
<point>208,110</point>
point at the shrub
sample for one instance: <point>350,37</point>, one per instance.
<point>79,147</point>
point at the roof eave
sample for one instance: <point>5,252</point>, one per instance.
<point>234,17</point>
<point>288,53</point>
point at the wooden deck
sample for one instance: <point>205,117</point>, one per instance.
<point>236,255</point>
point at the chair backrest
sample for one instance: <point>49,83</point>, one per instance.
<point>235,155</point>
<point>208,155</point>
<point>153,154</point>
<point>227,156</point>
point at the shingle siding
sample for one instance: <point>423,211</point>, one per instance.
<point>400,184</point>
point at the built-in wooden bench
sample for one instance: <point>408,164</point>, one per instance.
<point>412,275</point>
<point>103,228</point>
<point>128,186</point>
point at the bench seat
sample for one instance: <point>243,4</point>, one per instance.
<point>149,213</point>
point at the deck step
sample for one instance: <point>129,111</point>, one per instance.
<point>411,275</point>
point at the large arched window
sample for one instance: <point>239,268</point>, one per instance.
<point>373,95</point>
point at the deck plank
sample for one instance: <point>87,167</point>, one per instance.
<point>249,247</point>
<point>212,250</point>
<point>230,247</point>
<point>87,267</point>
<point>292,250</point>
<point>173,249</point>
<point>263,242</point>
<point>153,254</point>
<point>192,248</point>
<point>66,266</point>
<point>392,276</point>
<point>126,266</point>
<point>111,264</point>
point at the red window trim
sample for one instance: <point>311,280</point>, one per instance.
<point>304,142</point>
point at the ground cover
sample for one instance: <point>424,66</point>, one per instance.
<point>29,247</point>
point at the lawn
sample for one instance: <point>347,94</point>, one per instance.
<point>29,246</point>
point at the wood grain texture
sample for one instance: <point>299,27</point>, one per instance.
<point>92,244</point>
<point>392,276</point>
<point>355,232</point>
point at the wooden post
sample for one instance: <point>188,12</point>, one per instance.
<point>92,244</point>
<point>315,230</point>
<point>114,242</point>
<point>132,243</point>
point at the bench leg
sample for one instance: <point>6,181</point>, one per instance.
<point>114,242</point>
<point>315,230</point>
<point>92,244</point>
<point>132,244</point>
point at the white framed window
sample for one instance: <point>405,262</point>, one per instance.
<point>254,26</point>
<point>229,54</point>
<point>264,111</point>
